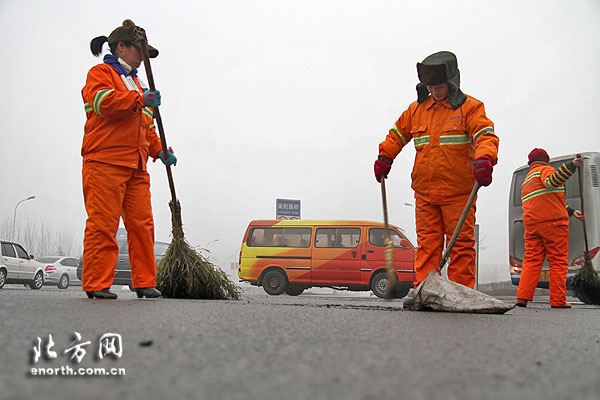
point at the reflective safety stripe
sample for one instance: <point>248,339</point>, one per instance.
<point>152,126</point>
<point>540,192</point>
<point>99,97</point>
<point>454,139</point>
<point>420,141</point>
<point>489,129</point>
<point>394,129</point>
<point>530,177</point>
<point>87,107</point>
<point>148,112</point>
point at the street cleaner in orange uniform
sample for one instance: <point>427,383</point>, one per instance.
<point>455,146</point>
<point>546,220</point>
<point>119,137</point>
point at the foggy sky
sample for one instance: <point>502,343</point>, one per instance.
<point>290,99</point>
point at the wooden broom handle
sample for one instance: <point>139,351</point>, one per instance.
<point>580,178</point>
<point>385,212</point>
<point>161,130</point>
<point>459,225</point>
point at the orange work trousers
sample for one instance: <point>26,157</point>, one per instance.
<point>436,218</point>
<point>546,240</point>
<point>110,192</point>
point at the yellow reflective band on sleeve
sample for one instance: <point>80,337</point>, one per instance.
<point>394,129</point>
<point>420,141</point>
<point>541,192</point>
<point>152,126</point>
<point>552,181</point>
<point>489,129</point>
<point>99,97</point>
<point>148,112</point>
<point>87,107</point>
<point>454,139</point>
<point>530,177</point>
<point>559,177</point>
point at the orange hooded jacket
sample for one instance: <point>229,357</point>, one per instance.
<point>447,140</point>
<point>119,129</point>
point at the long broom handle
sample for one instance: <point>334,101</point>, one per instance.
<point>385,212</point>
<point>459,225</point>
<point>580,178</point>
<point>161,130</point>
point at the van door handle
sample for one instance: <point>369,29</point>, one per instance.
<point>370,251</point>
<point>353,254</point>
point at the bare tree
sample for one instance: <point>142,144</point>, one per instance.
<point>41,238</point>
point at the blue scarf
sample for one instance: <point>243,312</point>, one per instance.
<point>114,61</point>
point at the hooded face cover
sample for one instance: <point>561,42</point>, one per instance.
<point>438,68</point>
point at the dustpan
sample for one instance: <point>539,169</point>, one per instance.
<point>437,293</point>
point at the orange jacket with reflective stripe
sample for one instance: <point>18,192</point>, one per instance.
<point>119,129</point>
<point>446,141</point>
<point>542,202</point>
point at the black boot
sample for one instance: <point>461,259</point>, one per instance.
<point>102,294</point>
<point>149,292</point>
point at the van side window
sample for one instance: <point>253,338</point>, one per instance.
<point>337,237</point>
<point>8,251</point>
<point>279,237</point>
<point>377,237</point>
<point>297,237</point>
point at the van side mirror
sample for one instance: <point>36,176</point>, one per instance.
<point>31,257</point>
<point>405,243</point>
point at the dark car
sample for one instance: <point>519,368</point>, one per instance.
<point>123,269</point>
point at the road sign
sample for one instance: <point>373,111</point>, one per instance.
<point>287,209</point>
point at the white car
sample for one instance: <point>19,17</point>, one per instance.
<point>60,271</point>
<point>17,266</point>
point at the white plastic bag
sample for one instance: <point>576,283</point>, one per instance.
<point>439,294</point>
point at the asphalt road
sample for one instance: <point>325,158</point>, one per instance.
<point>306,347</point>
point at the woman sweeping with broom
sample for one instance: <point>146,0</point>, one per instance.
<point>546,220</point>
<point>119,137</point>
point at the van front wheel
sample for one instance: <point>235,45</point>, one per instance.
<point>274,282</point>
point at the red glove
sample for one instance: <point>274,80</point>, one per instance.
<point>382,167</point>
<point>482,170</point>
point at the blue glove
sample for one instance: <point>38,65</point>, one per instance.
<point>170,159</point>
<point>152,98</point>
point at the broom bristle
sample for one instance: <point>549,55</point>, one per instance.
<point>183,273</point>
<point>393,288</point>
<point>586,283</point>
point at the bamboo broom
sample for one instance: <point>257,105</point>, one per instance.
<point>182,273</point>
<point>586,283</point>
